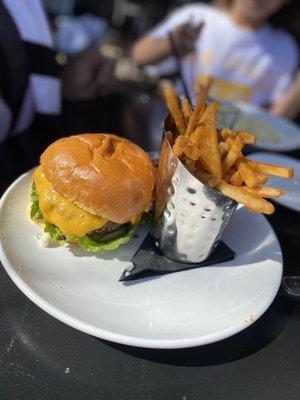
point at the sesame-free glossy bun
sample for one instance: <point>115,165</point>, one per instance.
<point>101,173</point>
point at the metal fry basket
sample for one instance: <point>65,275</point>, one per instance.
<point>190,217</point>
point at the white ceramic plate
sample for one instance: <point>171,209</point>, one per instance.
<point>178,310</point>
<point>291,198</point>
<point>272,133</point>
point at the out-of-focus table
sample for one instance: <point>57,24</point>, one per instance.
<point>41,358</point>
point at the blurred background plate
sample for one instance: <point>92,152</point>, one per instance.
<point>291,198</point>
<point>272,133</point>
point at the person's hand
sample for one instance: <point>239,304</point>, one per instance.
<point>185,36</point>
<point>288,105</point>
<point>87,77</point>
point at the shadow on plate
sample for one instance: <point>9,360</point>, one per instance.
<point>253,339</point>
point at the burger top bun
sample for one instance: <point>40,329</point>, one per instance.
<point>101,173</point>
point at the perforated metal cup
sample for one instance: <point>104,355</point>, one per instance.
<point>190,217</point>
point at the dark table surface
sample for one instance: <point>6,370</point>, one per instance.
<point>41,358</point>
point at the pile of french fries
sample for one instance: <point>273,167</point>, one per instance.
<point>215,156</point>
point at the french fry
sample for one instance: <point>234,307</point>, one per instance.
<point>215,157</point>
<point>228,175</point>
<point>270,169</point>
<point>231,171</point>
<point>248,137</point>
<point>173,106</point>
<point>264,191</point>
<point>249,177</point>
<point>226,178</point>
<point>250,200</point>
<point>189,163</point>
<point>196,135</point>
<point>262,179</point>
<point>228,133</point>
<point>199,165</point>
<point>236,179</point>
<point>207,178</point>
<point>186,110</point>
<point>180,145</point>
<point>207,138</point>
<point>192,151</point>
<point>233,153</point>
<point>223,148</point>
<point>229,141</point>
<point>198,110</point>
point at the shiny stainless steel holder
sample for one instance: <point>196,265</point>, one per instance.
<point>190,217</point>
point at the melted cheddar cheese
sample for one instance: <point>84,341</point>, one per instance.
<point>56,209</point>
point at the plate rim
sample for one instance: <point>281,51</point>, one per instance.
<point>260,145</point>
<point>116,337</point>
<point>276,154</point>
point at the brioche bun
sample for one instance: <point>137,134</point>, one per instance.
<point>101,173</point>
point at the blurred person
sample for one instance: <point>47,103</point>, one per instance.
<point>32,82</point>
<point>29,72</point>
<point>289,104</point>
<point>230,42</point>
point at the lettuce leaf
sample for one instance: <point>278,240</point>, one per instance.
<point>35,212</point>
<point>55,233</point>
<point>90,245</point>
<point>84,242</point>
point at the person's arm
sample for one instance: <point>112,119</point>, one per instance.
<point>151,50</point>
<point>288,105</point>
<point>285,96</point>
<point>88,76</point>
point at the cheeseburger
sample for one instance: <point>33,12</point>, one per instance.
<point>93,189</point>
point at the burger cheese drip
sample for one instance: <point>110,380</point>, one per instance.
<point>56,209</point>
<point>61,212</point>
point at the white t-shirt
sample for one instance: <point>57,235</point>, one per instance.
<point>256,66</point>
